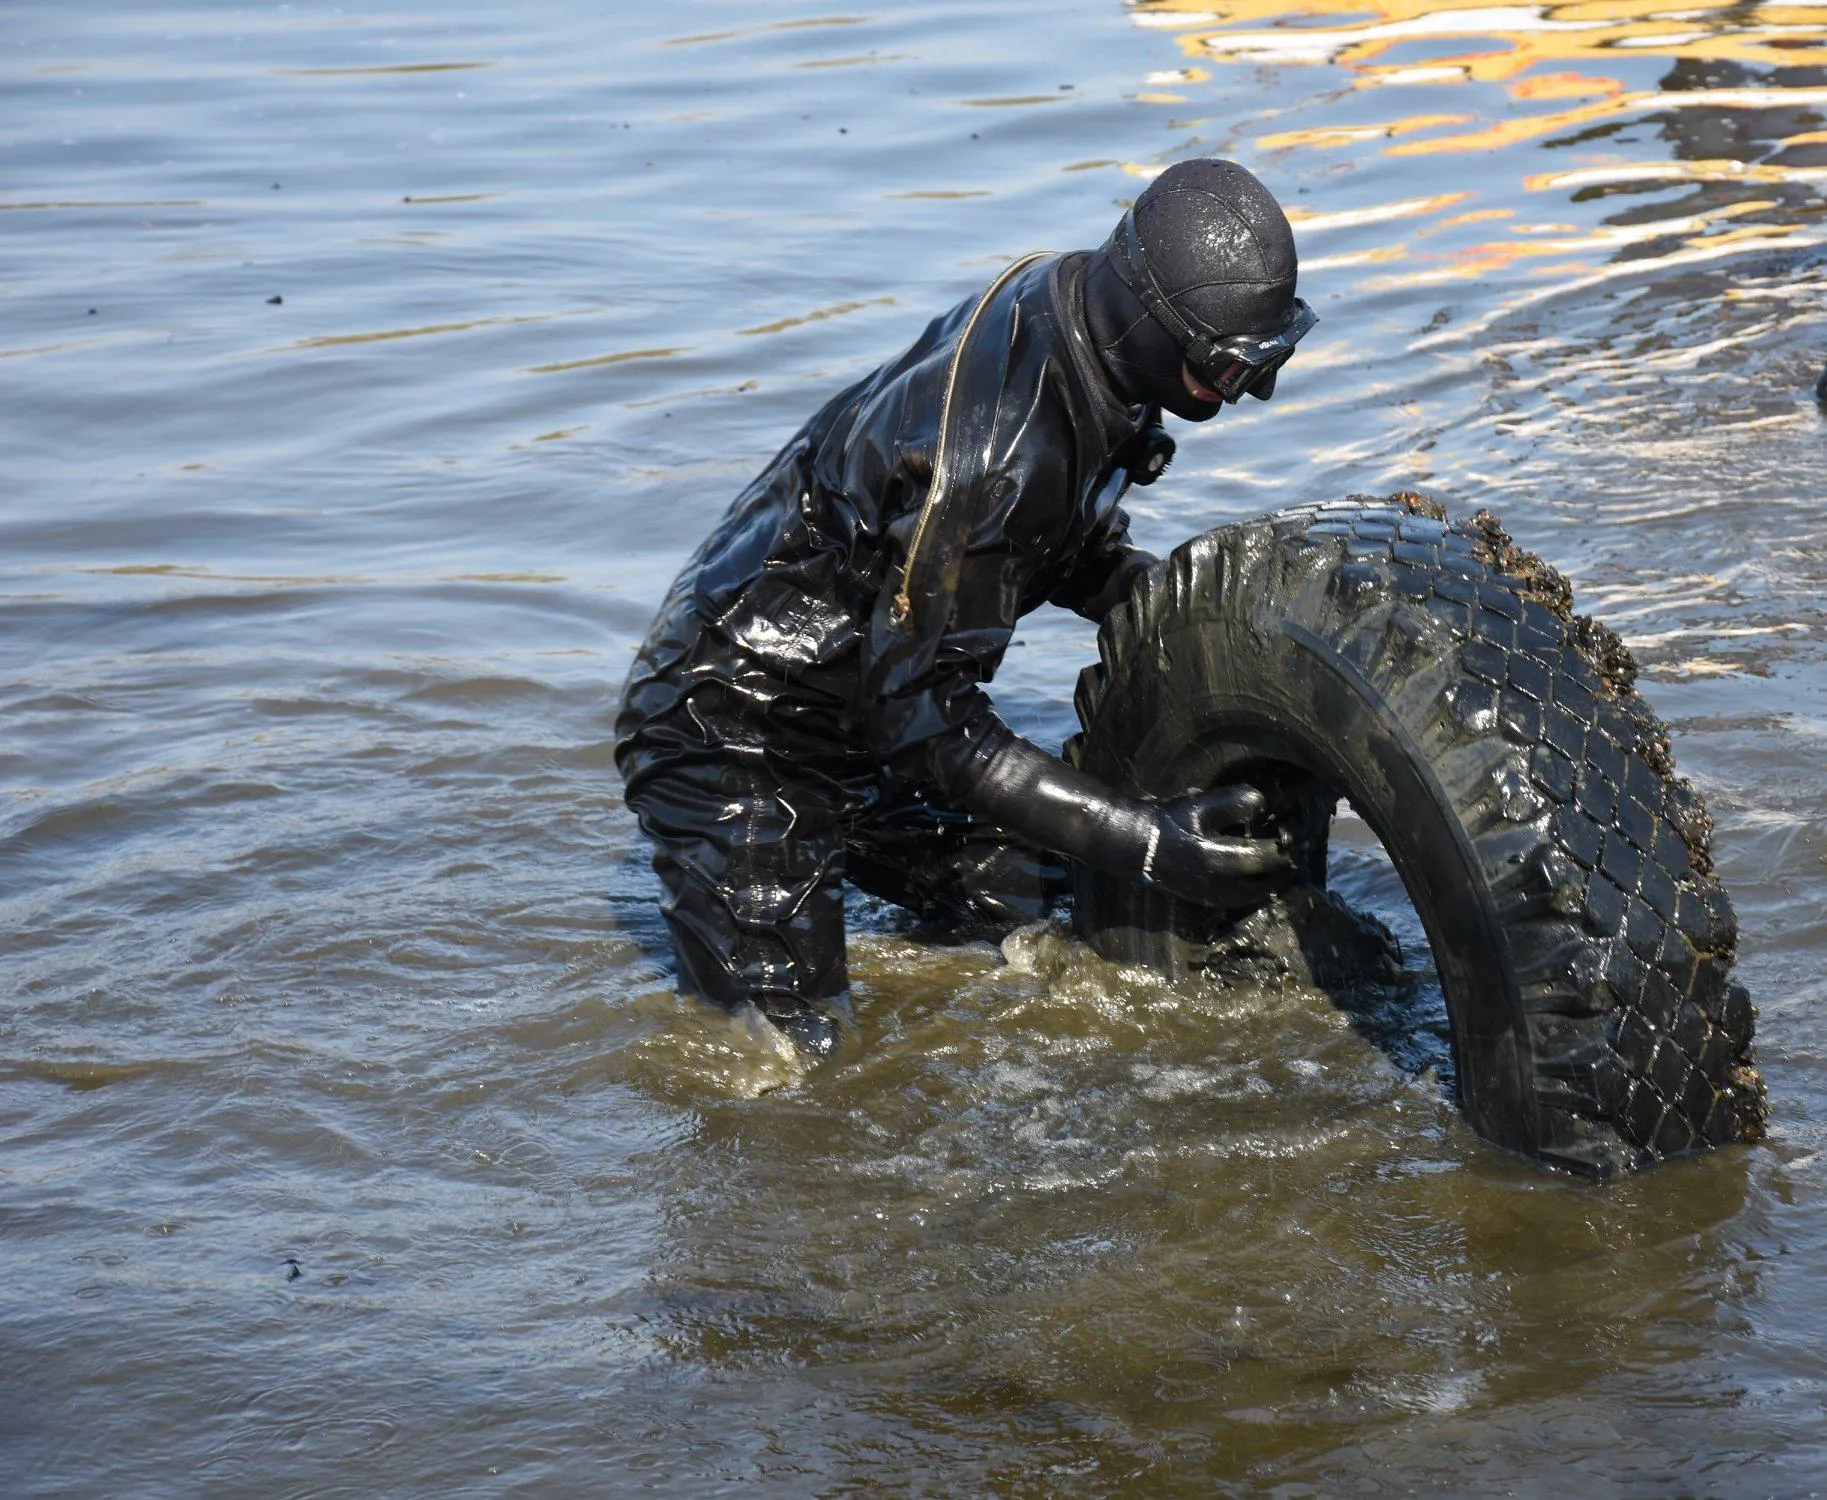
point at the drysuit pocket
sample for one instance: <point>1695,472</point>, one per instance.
<point>781,625</point>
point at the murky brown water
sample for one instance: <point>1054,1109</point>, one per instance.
<point>327,940</point>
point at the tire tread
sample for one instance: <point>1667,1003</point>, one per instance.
<point>1597,854</point>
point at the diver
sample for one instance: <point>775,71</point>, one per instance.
<point>809,708</point>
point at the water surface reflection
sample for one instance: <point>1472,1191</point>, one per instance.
<point>329,941</point>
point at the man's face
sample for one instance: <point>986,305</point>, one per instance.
<point>1205,403</point>
<point>1198,390</point>
<point>1211,402</point>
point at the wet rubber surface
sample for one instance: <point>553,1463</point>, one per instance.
<point>351,1139</point>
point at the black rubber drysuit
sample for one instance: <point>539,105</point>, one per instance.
<point>808,706</point>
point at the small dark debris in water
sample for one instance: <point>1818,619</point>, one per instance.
<point>274,301</point>
<point>296,1271</point>
<point>973,135</point>
<point>275,187</point>
<point>843,130</point>
<point>1820,387</point>
<point>91,312</point>
<point>1065,87</point>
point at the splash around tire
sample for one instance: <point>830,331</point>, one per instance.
<point>1436,676</point>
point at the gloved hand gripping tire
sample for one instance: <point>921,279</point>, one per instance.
<point>1189,856</point>
<point>1179,846</point>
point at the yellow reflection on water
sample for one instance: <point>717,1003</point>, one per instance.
<point>1622,110</point>
<point>1310,221</point>
<point>1366,30</point>
<point>1532,127</point>
<point>1347,135</point>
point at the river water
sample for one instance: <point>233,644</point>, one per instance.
<point>366,371</point>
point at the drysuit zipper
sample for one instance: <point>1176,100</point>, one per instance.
<point>901,611</point>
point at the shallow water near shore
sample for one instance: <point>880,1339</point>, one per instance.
<point>365,376</point>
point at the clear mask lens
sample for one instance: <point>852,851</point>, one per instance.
<point>1236,376</point>
<point>1229,379</point>
<point>1263,386</point>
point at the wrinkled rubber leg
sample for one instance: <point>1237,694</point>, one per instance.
<point>753,877</point>
<point>948,866</point>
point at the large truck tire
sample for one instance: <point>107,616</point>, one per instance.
<point>1436,676</point>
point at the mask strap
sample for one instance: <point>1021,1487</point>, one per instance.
<point>1134,272</point>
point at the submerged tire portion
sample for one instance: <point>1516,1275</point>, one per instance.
<point>1436,676</point>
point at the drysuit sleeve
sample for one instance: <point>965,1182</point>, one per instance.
<point>926,713</point>
<point>1107,566</point>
